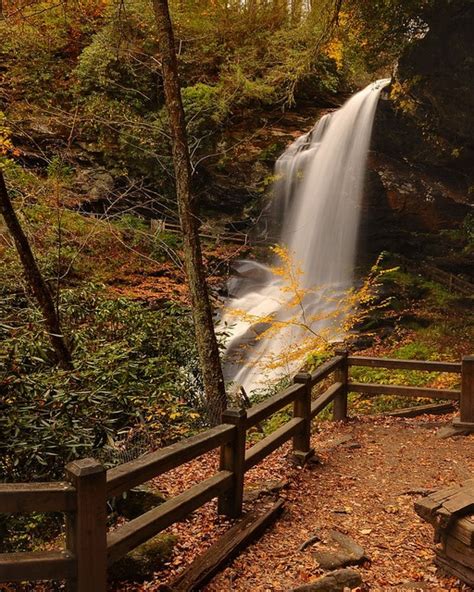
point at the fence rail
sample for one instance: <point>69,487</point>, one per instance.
<point>451,281</point>
<point>133,473</point>
<point>82,497</point>
<point>146,526</point>
<point>37,497</point>
<point>447,279</point>
<point>395,364</point>
<point>404,391</point>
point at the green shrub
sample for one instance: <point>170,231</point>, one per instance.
<point>133,367</point>
<point>24,532</point>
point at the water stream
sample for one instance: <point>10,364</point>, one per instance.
<point>318,193</point>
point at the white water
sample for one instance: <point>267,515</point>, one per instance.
<point>318,197</point>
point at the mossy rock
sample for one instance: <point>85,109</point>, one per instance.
<point>413,321</point>
<point>141,563</point>
<point>375,320</point>
<point>137,501</point>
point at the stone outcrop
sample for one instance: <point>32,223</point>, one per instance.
<point>336,581</point>
<point>421,170</point>
<point>428,121</point>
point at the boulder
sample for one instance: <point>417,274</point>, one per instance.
<point>137,501</point>
<point>141,563</point>
<point>97,184</point>
<point>336,581</point>
<point>344,551</point>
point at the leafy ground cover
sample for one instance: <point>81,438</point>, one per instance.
<point>348,491</point>
<point>371,470</point>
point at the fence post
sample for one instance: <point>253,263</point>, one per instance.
<point>86,528</point>
<point>466,403</point>
<point>341,375</point>
<point>302,408</point>
<point>233,459</point>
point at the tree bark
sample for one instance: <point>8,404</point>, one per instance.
<point>207,347</point>
<point>35,279</point>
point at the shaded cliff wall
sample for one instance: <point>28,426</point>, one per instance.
<point>421,170</point>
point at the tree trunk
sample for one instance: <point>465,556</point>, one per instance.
<point>35,279</point>
<point>208,350</point>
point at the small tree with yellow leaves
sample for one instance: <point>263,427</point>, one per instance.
<point>304,321</point>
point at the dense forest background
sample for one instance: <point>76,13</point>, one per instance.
<point>85,149</point>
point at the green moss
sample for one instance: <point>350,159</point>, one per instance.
<point>271,152</point>
<point>131,222</point>
<point>137,501</point>
<point>143,561</point>
<point>415,351</point>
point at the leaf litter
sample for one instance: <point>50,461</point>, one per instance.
<point>366,492</point>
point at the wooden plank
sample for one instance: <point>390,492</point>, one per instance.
<point>139,530</point>
<point>86,528</point>
<point>427,507</point>
<point>466,407</point>
<point>136,472</point>
<point>230,544</point>
<point>327,397</point>
<point>443,494</point>
<point>326,369</point>
<point>266,446</point>
<point>451,566</point>
<point>461,501</point>
<point>432,508</point>
<point>456,550</point>
<point>267,408</point>
<point>37,497</point>
<point>393,363</point>
<point>339,410</point>
<point>41,565</point>
<point>463,530</point>
<point>403,391</point>
<point>432,409</point>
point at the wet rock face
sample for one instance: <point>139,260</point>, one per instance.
<point>421,170</point>
<point>428,122</point>
<point>402,200</point>
<point>94,183</point>
<point>407,211</point>
<point>439,72</point>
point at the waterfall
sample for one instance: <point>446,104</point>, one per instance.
<point>318,194</point>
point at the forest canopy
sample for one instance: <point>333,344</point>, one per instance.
<point>95,65</point>
<point>82,99</point>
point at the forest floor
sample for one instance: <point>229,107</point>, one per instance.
<point>371,470</point>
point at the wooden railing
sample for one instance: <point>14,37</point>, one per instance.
<point>236,237</point>
<point>451,281</point>
<point>447,279</point>
<point>82,496</point>
<point>401,390</point>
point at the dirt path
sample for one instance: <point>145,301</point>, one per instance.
<point>364,486</point>
<point>367,492</point>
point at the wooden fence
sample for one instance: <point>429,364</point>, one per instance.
<point>239,238</point>
<point>225,237</point>
<point>450,281</point>
<point>82,496</point>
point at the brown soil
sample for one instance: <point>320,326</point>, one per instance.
<point>368,493</point>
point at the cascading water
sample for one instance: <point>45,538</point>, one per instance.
<point>318,197</point>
